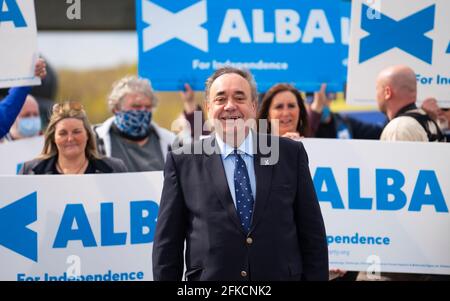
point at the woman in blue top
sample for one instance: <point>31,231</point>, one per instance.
<point>11,105</point>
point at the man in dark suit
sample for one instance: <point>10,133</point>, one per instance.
<point>239,215</point>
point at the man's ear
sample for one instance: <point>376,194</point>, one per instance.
<point>206,108</point>
<point>255,106</point>
<point>116,109</point>
<point>387,92</point>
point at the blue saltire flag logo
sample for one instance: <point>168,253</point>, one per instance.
<point>407,34</point>
<point>10,12</point>
<point>185,25</point>
<point>14,234</point>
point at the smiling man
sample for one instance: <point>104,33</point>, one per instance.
<point>239,218</point>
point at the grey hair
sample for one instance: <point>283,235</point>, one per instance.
<point>226,70</point>
<point>127,85</point>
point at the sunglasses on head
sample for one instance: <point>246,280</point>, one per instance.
<point>68,106</point>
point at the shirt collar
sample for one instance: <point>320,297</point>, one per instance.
<point>246,146</point>
<point>409,107</point>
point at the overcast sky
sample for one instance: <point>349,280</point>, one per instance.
<point>86,50</point>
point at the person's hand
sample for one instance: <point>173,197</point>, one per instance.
<point>293,135</point>
<point>320,99</point>
<point>188,99</point>
<point>336,273</point>
<point>431,107</point>
<point>40,68</point>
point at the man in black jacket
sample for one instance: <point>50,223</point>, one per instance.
<point>240,215</point>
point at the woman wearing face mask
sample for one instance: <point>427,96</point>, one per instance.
<point>70,146</point>
<point>130,134</point>
<point>28,122</point>
<point>284,104</point>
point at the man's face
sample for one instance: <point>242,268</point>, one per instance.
<point>136,101</point>
<point>230,105</point>
<point>30,108</point>
<point>25,123</point>
<point>381,100</point>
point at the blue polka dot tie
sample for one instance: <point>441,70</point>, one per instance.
<point>243,192</point>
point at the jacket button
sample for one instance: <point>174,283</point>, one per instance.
<point>249,240</point>
<point>244,274</point>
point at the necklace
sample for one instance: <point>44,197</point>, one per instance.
<point>58,167</point>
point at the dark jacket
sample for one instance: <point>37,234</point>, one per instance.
<point>346,127</point>
<point>286,240</point>
<point>47,166</point>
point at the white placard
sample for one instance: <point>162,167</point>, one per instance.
<point>14,153</point>
<point>385,207</point>
<point>91,227</point>
<point>385,204</point>
<point>392,32</point>
<point>18,43</point>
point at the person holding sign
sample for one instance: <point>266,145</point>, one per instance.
<point>185,125</point>
<point>11,105</point>
<point>284,103</point>
<point>70,146</point>
<point>396,96</point>
<point>240,215</point>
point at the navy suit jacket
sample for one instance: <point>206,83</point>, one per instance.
<point>287,238</point>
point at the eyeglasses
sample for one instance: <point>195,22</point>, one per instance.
<point>67,106</point>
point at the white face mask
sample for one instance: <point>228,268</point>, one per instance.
<point>29,126</point>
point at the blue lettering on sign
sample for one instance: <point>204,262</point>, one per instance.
<point>139,222</point>
<point>355,201</point>
<point>304,43</point>
<point>19,167</point>
<point>427,178</point>
<point>324,176</point>
<point>389,183</point>
<point>12,14</point>
<point>448,48</point>
<point>75,213</point>
<point>407,34</point>
<point>384,189</point>
<point>14,219</point>
<point>108,237</point>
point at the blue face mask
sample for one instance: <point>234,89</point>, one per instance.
<point>326,112</point>
<point>134,123</point>
<point>29,126</point>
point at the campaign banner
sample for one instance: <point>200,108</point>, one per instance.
<point>14,153</point>
<point>18,36</point>
<point>392,32</point>
<point>300,42</point>
<point>385,207</point>
<point>385,204</point>
<point>78,228</point>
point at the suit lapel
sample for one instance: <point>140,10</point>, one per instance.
<point>217,175</point>
<point>263,175</point>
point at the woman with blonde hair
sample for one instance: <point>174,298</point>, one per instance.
<point>70,146</point>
